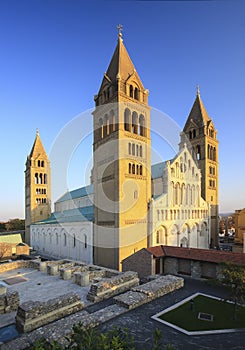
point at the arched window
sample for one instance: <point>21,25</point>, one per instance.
<point>85,241</point>
<point>129,168</point>
<point>136,93</point>
<point>157,237</point>
<point>137,169</point>
<point>106,125</point>
<point>137,150</point>
<point>214,154</point>
<point>101,130</point>
<point>127,123</point>
<point>42,164</point>
<point>190,135</point>
<point>39,163</point>
<point>133,149</point>
<point>36,179</point>
<point>112,121</point>
<point>65,239</point>
<point>131,91</point>
<point>194,133</point>
<point>129,148</point>
<point>209,156</point>
<point>40,178</point>
<point>74,241</point>
<point>140,151</point>
<point>135,123</point>
<point>45,179</point>
<point>141,170</point>
<point>133,169</point>
<point>142,125</point>
<point>198,152</point>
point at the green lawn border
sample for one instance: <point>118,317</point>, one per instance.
<point>172,307</point>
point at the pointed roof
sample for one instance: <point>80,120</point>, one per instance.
<point>37,148</point>
<point>198,114</point>
<point>121,66</point>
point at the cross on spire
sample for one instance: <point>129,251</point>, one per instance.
<point>198,90</point>
<point>119,30</point>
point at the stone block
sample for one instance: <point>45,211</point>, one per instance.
<point>32,315</point>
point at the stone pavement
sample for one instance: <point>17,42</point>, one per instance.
<point>140,324</point>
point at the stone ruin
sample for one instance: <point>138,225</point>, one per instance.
<point>34,314</point>
<point>9,301</point>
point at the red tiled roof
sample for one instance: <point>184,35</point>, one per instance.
<point>209,255</point>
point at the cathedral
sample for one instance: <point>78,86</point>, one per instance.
<point>130,203</point>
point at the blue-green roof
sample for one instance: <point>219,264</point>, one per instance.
<point>157,170</point>
<point>71,215</point>
<point>79,192</point>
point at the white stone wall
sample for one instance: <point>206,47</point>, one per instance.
<point>180,217</point>
<point>73,240</point>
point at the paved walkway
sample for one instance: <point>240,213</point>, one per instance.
<point>141,325</point>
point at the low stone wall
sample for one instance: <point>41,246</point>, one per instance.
<point>19,264</point>
<point>149,291</point>
<point>34,314</point>
<point>109,287</point>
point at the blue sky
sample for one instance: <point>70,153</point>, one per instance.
<point>54,54</point>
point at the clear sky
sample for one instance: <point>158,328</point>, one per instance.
<point>54,54</point>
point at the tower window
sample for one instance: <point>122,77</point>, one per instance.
<point>194,133</point>
<point>39,163</point>
<point>129,148</point>
<point>136,93</point>
<point>198,152</point>
<point>45,179</point>
<point>85,241</point>
<point>133,169</point>
<point>141,170</point>
<point>130,168</point>
<point>142,125</point>
<point>140,151</point>
<point>133,149</point>
<point>135,123</point>
<point>190,135</point>
<point>42,164</point>
<point>40,178</point>
<point>36,178</point>
<point>131,91</point>
<point>127,123</point>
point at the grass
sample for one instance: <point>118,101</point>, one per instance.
<point>187,318</point>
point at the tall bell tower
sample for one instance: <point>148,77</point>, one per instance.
<point>37,186</point>
<point>201,135</point>
<point>122,161</point>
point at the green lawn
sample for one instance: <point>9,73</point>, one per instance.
<point>223,315</point>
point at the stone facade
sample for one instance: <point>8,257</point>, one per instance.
<point>178,214</point>
<point>34,314</point>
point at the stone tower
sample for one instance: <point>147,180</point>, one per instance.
<point>122,162</point>
<point>199,132</point>
<point>37,186</point>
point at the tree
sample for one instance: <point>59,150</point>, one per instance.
<point>4,248</point>
<point>15,225</point>
<point>233,276</point>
